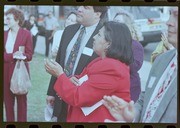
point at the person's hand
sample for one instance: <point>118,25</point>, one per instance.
<point>50,100</point>
<point>119,109</point>
<point>75,81</point>
<point>53,68</point>
<point>19,55</point>
<point>165,42</point>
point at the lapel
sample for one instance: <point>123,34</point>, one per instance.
<point>157,71</point>
<point>165,101</point>
<point>18,40</point>
<point>84,59</point>
<point>5,38</point>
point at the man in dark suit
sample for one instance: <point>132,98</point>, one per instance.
<point>92,18</point>
<point>158,103</point>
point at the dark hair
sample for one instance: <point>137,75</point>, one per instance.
<point>102,9</point>
<point>121,42</point>
<point>18,15</point>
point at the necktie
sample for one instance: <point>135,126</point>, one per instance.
<point>73,54</point>
<point>68,69</point>
<point>158,97</point>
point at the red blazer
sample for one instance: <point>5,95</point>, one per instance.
<point>105,77</point>
<point>23,38</point>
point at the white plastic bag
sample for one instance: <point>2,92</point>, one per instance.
<point>20,81</point>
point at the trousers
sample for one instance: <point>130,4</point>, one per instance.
<point>9,101</point>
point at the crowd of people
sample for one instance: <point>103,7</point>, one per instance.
<point>96,61</point>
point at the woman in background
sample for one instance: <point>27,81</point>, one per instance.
<point>138,53</point>
<point>32,26</point>
<point>14,38</point>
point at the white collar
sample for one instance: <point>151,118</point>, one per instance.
<point>89,28</point>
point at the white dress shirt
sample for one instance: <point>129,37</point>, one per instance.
<point>56,40</point>
<point>10,43</point>
<point>88,32</point>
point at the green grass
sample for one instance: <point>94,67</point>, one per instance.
<point>37,93</point>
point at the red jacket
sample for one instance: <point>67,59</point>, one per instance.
<point>23,38</point>
<point>105,77</point>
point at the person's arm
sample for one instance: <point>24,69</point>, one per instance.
<point>28,47</point>
<point>90,92</point>
<point>85,95</point>
<point>27,38</point>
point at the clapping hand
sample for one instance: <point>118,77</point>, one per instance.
<point>121,110</point>
<point>164,39</point>
<point>53,68</point>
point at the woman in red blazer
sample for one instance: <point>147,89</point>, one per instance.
<point>108,74</point>
<point>13,39</point>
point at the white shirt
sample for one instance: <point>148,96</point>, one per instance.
<point>56,40</point>
<point>88,32</point>
<point>10,43</point>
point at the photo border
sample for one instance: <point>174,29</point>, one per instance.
<point>80,125</point>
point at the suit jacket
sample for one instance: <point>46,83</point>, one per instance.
<point>23,38</point>
<point>105,77</point>
<point>167,109</point>
<point>67,36</point>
